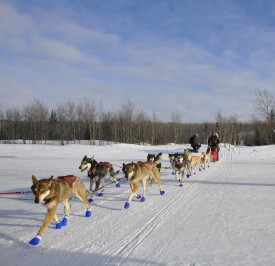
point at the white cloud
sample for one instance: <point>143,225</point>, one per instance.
<point>72,55</point>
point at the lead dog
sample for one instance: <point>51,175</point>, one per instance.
<point>97,172</point>
<point>140,171</point>
<point>50,192</point>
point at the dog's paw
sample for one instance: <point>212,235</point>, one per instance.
<point>161,192</point>
<point>117,185</point>
<point>65,220</point>
<point>188,175</point>
<point>127,205</point>
<point>35,241</point>
<point>173,173</point>
<point>181,185</point>
<point>142,199</point>
<point>88,213</point>
<point>100,194</point>
<point>138,196</point>
<point>58,225</point>
<point>91,200</point>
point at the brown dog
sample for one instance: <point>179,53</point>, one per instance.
<point>195,161</point>
<point>50,192</point>
<point>140,171</point>
<point>155,159</point>
<point>206,157</point>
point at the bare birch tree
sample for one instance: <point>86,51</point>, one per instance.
<point>264,107</point>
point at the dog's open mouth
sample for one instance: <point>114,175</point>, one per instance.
<point>82,170</point>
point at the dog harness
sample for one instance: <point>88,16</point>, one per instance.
<point>68,178</point>
<point>91,173</point>
<point>143,164</point>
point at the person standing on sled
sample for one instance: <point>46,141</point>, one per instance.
<point>214,142</point>
<point>195,142</point>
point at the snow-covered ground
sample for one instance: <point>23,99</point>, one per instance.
<point>224,215</point>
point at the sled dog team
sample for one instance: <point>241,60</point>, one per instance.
<point>50,192</point>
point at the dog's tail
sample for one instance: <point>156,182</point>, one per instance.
<point>159,155</point>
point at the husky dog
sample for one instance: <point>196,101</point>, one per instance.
<point>155,159</point>
<point>97,172</point>
<point>181,164</point>
<point>206,157</point>
<point>49,192</point>
<point>195,161</point>
<point>171,157</point>
<point>151,157</point>
<point>140,171</point>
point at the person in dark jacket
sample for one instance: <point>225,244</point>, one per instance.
<point>195,142</point>
<point>214,142</point>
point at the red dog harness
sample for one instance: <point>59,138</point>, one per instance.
<point>92,171</point>
<point>68,178</point>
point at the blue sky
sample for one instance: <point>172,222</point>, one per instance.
<point>190,57</point>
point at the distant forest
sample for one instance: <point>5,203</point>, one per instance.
<point>72,123</point>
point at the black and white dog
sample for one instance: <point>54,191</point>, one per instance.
<point>180,163</point>
<point>156,159</point>
<point>97,172</point>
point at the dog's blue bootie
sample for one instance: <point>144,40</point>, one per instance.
<point>142,199</point>
<point>65,220</point>
<point>59,225</point>
<point>127,205</point>
<point>173,173</point>
<point>88,213</point>
<point>188,175</point>
<point>161,192</point>
<point>138,196</point>
<point>91,200</point>
<point>35,241</point>
<point>117,184</point>
<point>100,194</point>
<point>181,185</point>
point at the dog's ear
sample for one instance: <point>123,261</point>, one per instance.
<point>34,179</point>
<point>85,158</point>
<point>49,180</point>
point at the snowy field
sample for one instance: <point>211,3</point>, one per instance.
<point>224,215</point>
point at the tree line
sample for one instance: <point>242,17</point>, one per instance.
<point>73,123</point>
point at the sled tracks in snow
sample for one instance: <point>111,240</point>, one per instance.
<point>127,245</point>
